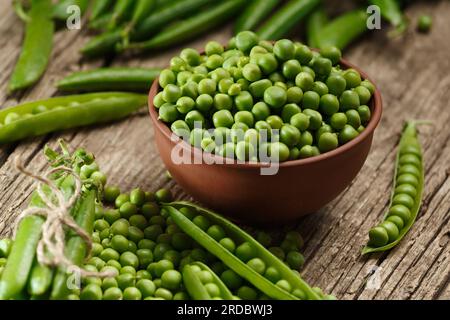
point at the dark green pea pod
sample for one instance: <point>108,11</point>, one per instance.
<point>409,145</point>
<point>36,48</point>
<point>191,27</point>
<point>286,18</point>
<point>102,44</point>
<point>100,23</point>
<point>40,279</point>
<point>122,11</point>
<point>344,29</point>
<point>142,9</point>
<point>110,79</point>
<point>45,116</point>
<point>315,23</point>
<point>254,14</point>
<point>61,9</point>
<point>196,288</point>
<point>99,8</point>
<point>391,12</point>
<point>76,248</point>
<point>233,262</point>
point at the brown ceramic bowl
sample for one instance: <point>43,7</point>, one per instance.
<point>239,190</point>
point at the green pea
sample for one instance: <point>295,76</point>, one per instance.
<point>109,254</point>
<point>207,86</point>
<point>303,53</point>
<point>410,169</point>
<point>216,232</point>
<point>213,47</point>
<point>299,294</point>
<point>244,117</point>
<point>91,292</point>
<point>146,244</point>
<point>109,283</point>
<point>146,287</point>
<point>401,211</point>
<point>223,102</point>
<point>327,142</point>
<point>111,193</point>
<point>246,40</point>
<point>294,95</point>
<point>408,179</point>
<point>304,81</point>
<point>411,149</point>
<point>244,151</point>
<point>257,265</point>
<point>391,229</point>
<point>283,284</point>
<point>152,232</point>
<point>258,88</point>
<point>234,90</point>
<point>164,294</point>
<point>245,252</point>
<point>338,121</point>
<point>121,199</point>
<point>315,119</point>
<point>214,61</point>
<point>166,77</point>
<point>322,66</point>
<point>364,113</point>
<point>403,199</point>
<point>369,86</point>
<point>177,64</point>
<point>260,111</point>
<point>397,221</point>
<point>171,93</point>
<point>410,159</point>
<point>231,279</point>
<point>223,118</point>
<point>244,101</point>
<point>100,225</point>
<point>119,243</point>
<point>290,135</point>
<point>171,279</point>
<point>332,53</point>
<point>228,244</point>
<point>364,94</point>
<point>291,68</point>
<point>201,222</point>
<point>162,266</point>
<point>128,269</point>
<point>336,84</point>
<point>311,100</point>
<point>378,237</point>
<point>268,63</point>
<point>349,100</point>
<point>279,150</point>
<point>263,128</point>
<point>247,293</point>
<point>347,134</point>
<point>353,118</point>
<point>300,121</point>
<point>284,49</point>
<point>289,110</point>
<point>352,77</point>
<point>306,151</point>
<point>168,113</point>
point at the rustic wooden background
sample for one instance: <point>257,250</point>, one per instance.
<point>413,76</point>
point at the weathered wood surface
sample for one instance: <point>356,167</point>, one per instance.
<point>413,75</point>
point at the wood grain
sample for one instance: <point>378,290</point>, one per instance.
<point>412,74</point>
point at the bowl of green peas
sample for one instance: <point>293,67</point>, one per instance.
<point>263,131</point>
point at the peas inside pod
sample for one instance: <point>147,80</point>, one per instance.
<point>257,101</point>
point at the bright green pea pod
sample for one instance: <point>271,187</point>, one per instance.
<point>99,8</point>
<point>40,279</point>
<point>391,12</point>
<point>239,236</point>
<point>409,138</point>
<point>316,21</point>
<point>341,31</point>
<point>196,288</point>
<point>61,11</point>
<point>189,28</point>
<point>37,46</point>
<point>254,14</point>
<point>67,112</point>
<point>76,249</point>
<point>286,18</point>
<point>105,79</point>
<point>122,11</point>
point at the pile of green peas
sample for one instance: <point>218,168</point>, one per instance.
<point>138,240</point>
<point>254,99</point>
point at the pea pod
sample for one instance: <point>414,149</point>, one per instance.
<point>122,11</point>
<point>61,9</point>
<point>316,21</point>
<point>286,18</point>
<point>37,46</point>
<point>254,14</point>
<point>191,27</point>
<point>41,117</point>
<point>76,249</point>
<point>341,31</point>
<point>20,11</point>
<point>197,290</point>
<point>406,195</point>
<point>5,247</point>
<point>104,79</point>
<point>40,279</point>
<point>142,9</point>
<point>99,8</point>
<point>240,237</point>
<point>390,11</point>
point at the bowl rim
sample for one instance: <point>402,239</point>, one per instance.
<point>228,162</point>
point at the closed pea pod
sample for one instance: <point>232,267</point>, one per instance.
<point>122,10</point>
<point>37,46</point>
<point>316,21</point>
<point>254,14</point>
<point>99,7</point>
<point>246,249</point>
<point>406,196</point>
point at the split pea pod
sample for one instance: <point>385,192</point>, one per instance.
<point>76,248</point>
<point>37,46</point>
<point>191,27</point>
<point>391,12</point>
<point>254,14</point>
<point>62,10</point>
<point>341,31</point>
<point>105,79</point>
<point>45,116</point>
<point>100,7</point>
<point>198,290</point>
<point>240,252</point>
<point>406,195</point>
<point>23,251</point>
<point>315,23</point>
<point>286,18</point>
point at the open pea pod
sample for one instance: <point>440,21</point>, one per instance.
<point>406,195</point>
<point>197,289</point>
<point>231,260</point>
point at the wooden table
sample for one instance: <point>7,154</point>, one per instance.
<point>413,75</point>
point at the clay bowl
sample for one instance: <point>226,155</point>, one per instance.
<point>240,192</point>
